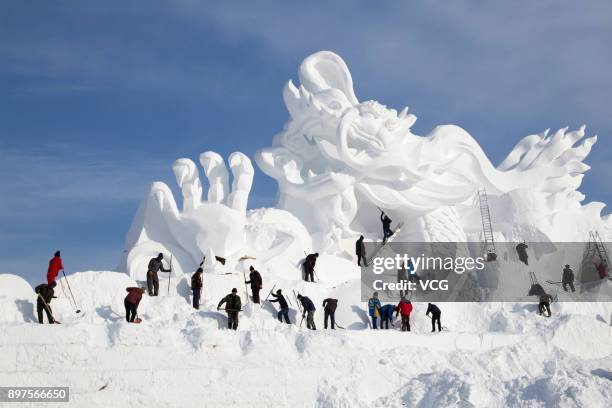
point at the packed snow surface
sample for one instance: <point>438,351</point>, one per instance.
<point>492,354</point>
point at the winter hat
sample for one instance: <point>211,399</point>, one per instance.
<point>299,296</point>
<point>57,253</point>
<point>567,265</point>
<point>375,294</point>
<point>160,256</point>
<point>200,270</point>
<point>278,292</point>
<point>53,284</point>
<point>251,268</point>
<point>234,290</point>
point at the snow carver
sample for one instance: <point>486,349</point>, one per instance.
<point>360,251</point>
<point>284,307</point>
<point>196,287</point>
<point>131,302</point>
<point>403,276</point>
<point>568,278</point>
<point>55,265</point>
<point>386,224</point>
<point>521,250</point>
<point>256,283</point>
<point>329,312</point>
<point>155,265</point>
<point>309,265</point>
<point>386,316</point>
<point>45,295</point>
<point>544,305</point>
<point>436,313</point>
<point>374,309</point>
<point>233,305</point>
<point>308,310</point>
<point>404,308</point>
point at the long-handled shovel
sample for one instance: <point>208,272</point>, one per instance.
<point>169,274</point>
<point>70,290</point>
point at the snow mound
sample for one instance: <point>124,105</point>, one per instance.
<point>16,296</point>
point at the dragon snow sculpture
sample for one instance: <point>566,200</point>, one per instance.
<point>337,159</point>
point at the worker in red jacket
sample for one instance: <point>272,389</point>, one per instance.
<point>55,265</point>
<point>404,308</point>
<point>131,302</point>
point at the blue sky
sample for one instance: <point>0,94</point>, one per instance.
<point>99,98</point>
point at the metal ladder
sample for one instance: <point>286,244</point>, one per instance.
<point>487,226</point>
<point>599,247</point>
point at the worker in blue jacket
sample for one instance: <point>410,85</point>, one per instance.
<point>386,316</point>
<point>374,309</point>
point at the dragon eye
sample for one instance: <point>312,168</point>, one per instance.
<point>335,105</point>
<point>390,124</point>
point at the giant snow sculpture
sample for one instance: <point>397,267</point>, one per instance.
<point>337,159</point>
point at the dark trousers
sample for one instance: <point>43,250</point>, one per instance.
<point>543,306</point>
<point>196,297</point>
<point>152,283</point>
<point>308,273</point>
<point>406,323</point>
<point>384,321</point>
<point>255,294</point>
<point>374,322</point>
<point>361,258</point>
<point>386,234</point>
<point>571,285</point>
<point>232,320</point>
<point>329,314</point>
<point>40,306</point>
<point>310,324</point>
<point>130,311</point>
<point>284,313</point>
<point>434,319</point>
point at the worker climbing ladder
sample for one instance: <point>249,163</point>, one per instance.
<point>389,240</point>
<point>487,226</point>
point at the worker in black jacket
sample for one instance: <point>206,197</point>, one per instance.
<point>360,251</point>
<point>309,265</point>
<point>284,307</point>
<point>329,310</point>
<point>435,316</point>
<point>256,283</point>
<point>155,265</point>
<point>196,286</point>
<point>308,308</point>
<point>45,294</point>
